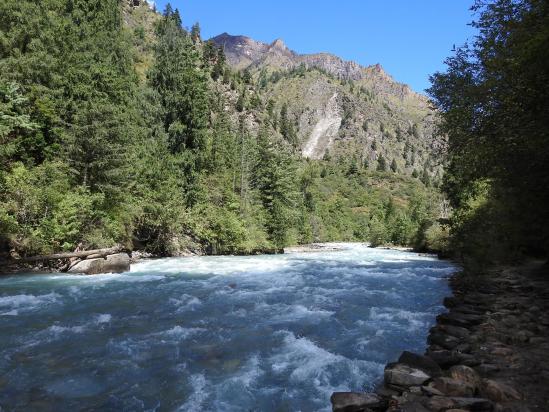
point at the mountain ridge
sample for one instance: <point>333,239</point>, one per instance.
<point>243,52</point>
<point>339,108</point>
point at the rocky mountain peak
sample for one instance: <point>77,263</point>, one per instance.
<point>243,52</point>
<point>279,44</point>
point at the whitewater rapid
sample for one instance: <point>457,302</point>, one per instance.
<point>278,332</point>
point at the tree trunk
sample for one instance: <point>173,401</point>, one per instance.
<point>68,255</point>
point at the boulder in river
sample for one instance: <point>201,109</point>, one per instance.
<point>116,263</point>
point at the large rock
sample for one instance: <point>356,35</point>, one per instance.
<point>400,374</point>
<point>424,363</point>
<point>117,263</point>
<point>355,401</point>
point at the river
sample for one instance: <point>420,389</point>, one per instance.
<point>223,333</point>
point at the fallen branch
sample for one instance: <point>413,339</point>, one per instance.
<point>67,255</point>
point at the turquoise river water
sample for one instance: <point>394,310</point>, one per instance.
<point>261,333</point>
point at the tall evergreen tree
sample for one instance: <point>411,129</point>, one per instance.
<point>183,90</point>
<point>273,177</point>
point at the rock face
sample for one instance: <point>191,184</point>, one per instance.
<point>242,51</point>
<point>117,263</point>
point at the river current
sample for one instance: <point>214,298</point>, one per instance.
<point>265,333</point>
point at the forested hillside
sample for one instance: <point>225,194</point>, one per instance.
<point>339,109</point>
<point>118,125</point>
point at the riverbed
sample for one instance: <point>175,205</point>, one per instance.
<point>269,333</point>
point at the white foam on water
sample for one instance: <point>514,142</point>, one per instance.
<point>181,333</point>
<point>248,375</point>
<point>414,320</point>
<point>28,302</point>
<point>185,302</point>
<point>199,395</point>
<point>294,313</point>
<point>212,265</point>
<point>103,318</point>
<point>309,363</point>
<point>13,312</point>
<point>57,329</point>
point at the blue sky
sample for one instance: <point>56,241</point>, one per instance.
<point>409,38</point>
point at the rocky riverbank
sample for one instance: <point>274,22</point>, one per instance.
<point>489,352</point>
<point>116,259</point>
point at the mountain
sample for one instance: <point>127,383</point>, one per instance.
<point>340,108</point>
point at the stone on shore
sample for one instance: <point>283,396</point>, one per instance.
<point>117,263</point>
<point>400,374</point>
<point>354,401</point>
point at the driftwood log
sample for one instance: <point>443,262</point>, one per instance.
<point>67,255</point>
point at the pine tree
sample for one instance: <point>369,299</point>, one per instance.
<point>183,91</point>
<point>381,164</point>
<point>241,102</point>
<point>195,33</point>
<point>273,177</point>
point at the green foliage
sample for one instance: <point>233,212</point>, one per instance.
<point>494,99</point>
<point>381,164</point>
<point>44,212</point>
<point>274,181</point>
<point>92,153</point>
<point>181,87</point>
